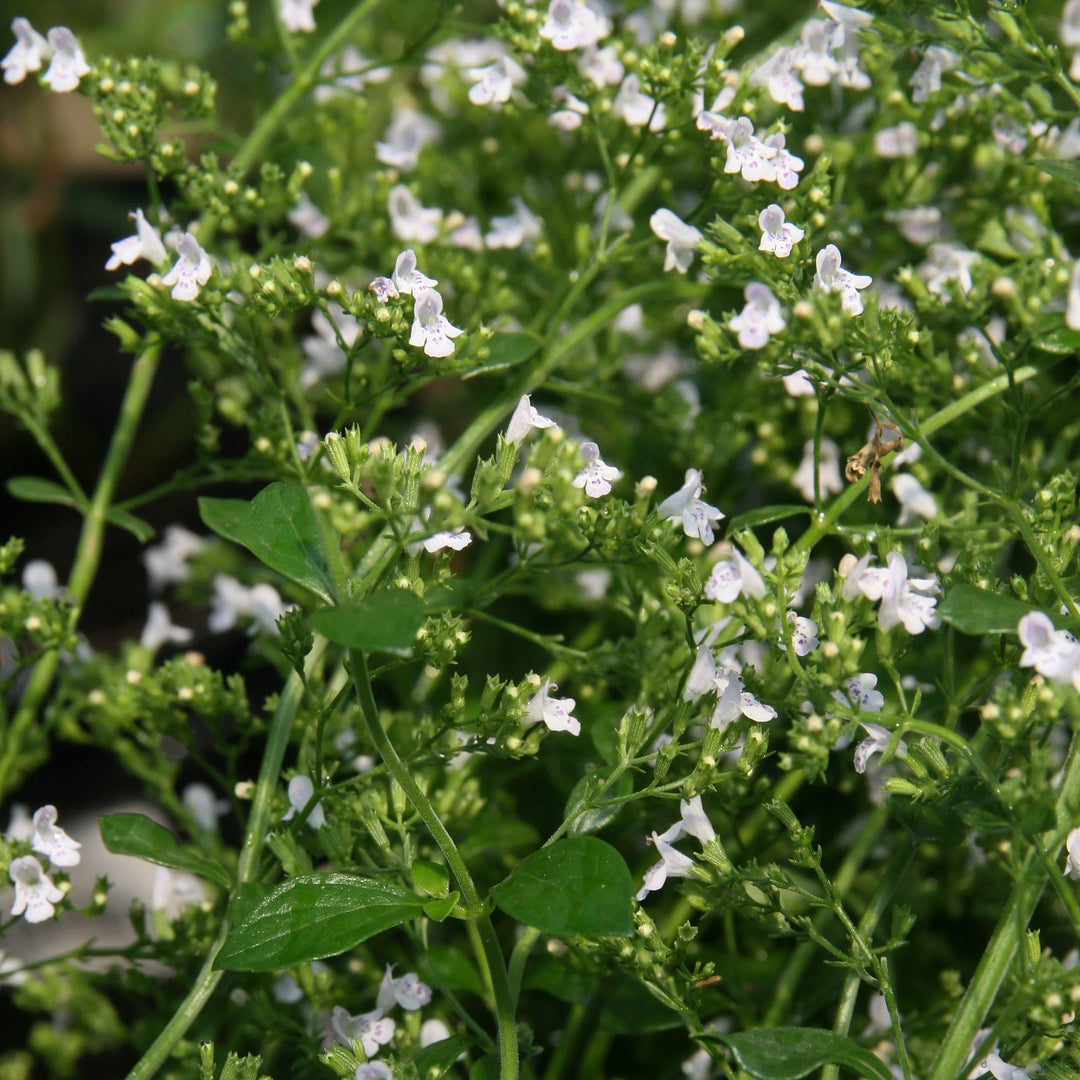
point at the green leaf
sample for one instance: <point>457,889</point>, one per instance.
<point>386,621</point>
<point>927,821</point>
<point>577,887</point>
<point>596,817</point>
<point>141,529</point>
<point>787,1053</point>
<point>506,351</point>
<point>976,611</point>
<point>313,916</point>
<point>454,970</point>
<point>440,909</point>
<point>1069,171</point>
<point>553,976</point>
<point>279,528</point>
<point>39,490</point>
<point>137,835</point>
<point>442,1054</point>
<point>430,878</point>
<point>765,515</point>
<point>487,1068</point>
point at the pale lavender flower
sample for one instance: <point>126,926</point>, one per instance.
<point>300,791</point>
<point>191,270</point>
<point>144,244</point>
<point>828,472</point>
<point>1054,654</point>
<point>777,235</point>
<point>759,319</point>
<point>68,65</point>
<point>410,219</point>
<point>927,77</point>
<point>370,1029</point>
<point>832,277</point>
<point>160,629</point>
<point>733,576</point>
<point>876,742</point>
<point>596,477</point>
<point>602,67</point>
<point>524,420</point>
<point>494,83</point>
<point>858,693</point>
<point>35,894</point>
<point>48,839</point>
<point>167,562</point>
<point>519,229</point>
<point>297,16</point>
<point>901,141</point>
<point>28,53</point>
<point>673,863</point>
<point>408,132</point>
<point>308,218</point>
<point>777,75</point>
<point>681,239</point>
<point>948,262</point>
<point>636,108</point>
<point>554,713</point>
<point>573,24</point>
<point>687,506</point>
<point>431,330</point>
<point>915,501</point>
<point>407,991</point>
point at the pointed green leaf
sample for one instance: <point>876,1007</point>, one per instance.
<point>574,888</point>
<point>386,621</point>
<point>224,516</point>
<point>442,1054</point>
<point>505,351</point>
<point>788,1053</point>
<point>142,530</point>
<point>976,611</point>
<point>312,916</point>
<point>38,489</point>
<point>438,910</point>
<point>137,835</point>
<point>1069,171</point>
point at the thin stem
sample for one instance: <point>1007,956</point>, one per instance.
<point>518,958</point>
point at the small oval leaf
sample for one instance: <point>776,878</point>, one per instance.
<point>789,1053</point>
<point>38,489</point>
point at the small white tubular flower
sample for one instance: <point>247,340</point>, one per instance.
<point>40,581</point>
<point>919,224</point>
<point>373,1070</point>
<point>408,281</point>
<point>597,476</point>
<point>777,235</point>
<point>233,601</point>
<point>203,805</point>
<point>602,67</point>
<point>777,75</point>
<point>1072,848</point>
<point>1070,23</point>
<point>50,840</point>
<point>408,991</point>
<point>408,132</point>
<point>454,539</point>
<point>160,629</point>
<point>554,712</point>
<point>493,84</point>
<point>68,65</point>
<point>145,244</point>
<point>910,601</point>
<point>876,742</point>
<point>915,501</point>
<point>901,141</point>
<point>636,108</point>
<point>783,162</point>
<point>371,1030</point>
<point>308,218</point>
<point>524,420</point>
<point>832,277</point>
<point>686,506</point>
<point>410,220</point>
<point>927,77</point>
<point>746,153</point>
<point>733,576</point>
<point>945,263</point>
<point>813,56</point>
<point>573,24</point>
<point>20,824</point>
<point>673,863</point>
<point>167,562</point>
<point>695,822</point>
<point>297,16</point>
<point>1002,1070</point>
<point>519,229</point>
<point>568,118</point>
<point>804,635</point>
<point>681,239</point>
<point>433,1031</point>
<point>702,677</point>
<point>35,894</point>
<point>1054,654</point>
<point>759,319</point>
<point>192,269</point>
<point>734,700</point>
<point>431,329</point>
<point>1072,299</point>
<point>858,693</point>
<point>828,474</point>
<point>300,791</point>
<point>28,53</point>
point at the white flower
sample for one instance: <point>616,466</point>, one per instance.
<point>145,244</point>
<point>733,701</point>
<point>408,991</point>
<point>68,65</point>
<point>1054,654</point>
<point>524,420</point>
<point>636,108</point>
<point>1072,299</point>
<point>407,279</point>
<point>804,637</point>
<point>915,501</point>
<point>876,743</point>
<point>203,805</point>
<point>431,330</point>
<point>160,629</point>
<point>777,75</point>
<point>681,239</point>
<point>433,1031</point>
<point>1070,23</point>
<point>48,839</point>
<point>349,70</point>
<point>514,230</point>
<point>370,1029</point>
<point>798,384</point>
<point>901,141</point>
<point>746,153</point>
<point>1072,847</point>
<point>602,67</point>
<point>910,601</point>
<point>297,16</point>
<point>172,891</point>
<point>919,224</point>
<point>28,53</point>
<point>40,581</point>
<point>233,601</point>
<point>927,77</point>
<point>568,118</point>
<point>777,235</point>
<point>673,863</point>
<point>782,161</point>
<point>698,1066</point>
<point>733,576</point>
<point>828,474</point>
<point>191,269</point>
<point>300,791</point>
<point>454,539</point>
<point>167,562</point>
<point>813,56</point>
<point>759,319</point>
<point>408,132</point>
<point>947,262</point>
<point>373,1070</point>
<point>35,894</point>
<point>573,24</point>
<point>686,505</point>
<point>832,277</point>
<point>410,220</point>
<point>493,84</point>
<point>20,823</point>
<point>597,476</point>
<point>554,712</point>
<point>858,693</point>
<point>1002,1070</point>
<point>467,235</point>
<point>308,218</point>
<point>695,822</point>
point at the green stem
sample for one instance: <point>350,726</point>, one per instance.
<point>88,551</point>
<point>518,958</point>
<point>500,984</point>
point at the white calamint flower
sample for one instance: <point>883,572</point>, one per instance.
<point>948,262</point>
<point>759,319</point>
<point>829,478</point>
<point>901,141</point>
<point>160,629</point>
<point>407,280</point>
<point>511,231</point>
<point>167,562</point>
<point>410,220</point>
<point>433,1031</point>
<point>233,601</point>
<point>326,348</point>
<point>373,1070</point>
<point>858,693</point>
<point>431,329</point>
<point>602,67</point>
<point>300,791</point>
<point>906,600</point>
<point>813,56</point>
<point>574,24</point>
<point>524,420</point>
<point>673,863</point>
<point>408,132</point>
<point>804,635</point>
<point>145,244</point>
<point>919,224</point>
<point>1002,1070</point>
<point>915,501</point>
<point>1054,654</point>
<point>35,894</point>
<point>927,77</point>
<point>733,576</point>
<point>48,839</point>
<point>777,235</point>
<point>408,991</point>
<point>554,712</point>
<point>694,820</point>
<point>68,65</point>
<point>687,507</point>
<point>351,71</point>
<point>832,277</point>
<point>734,700</point>
<point>371,1030</point>
<point>28,53</point>
<point>568,118</point>
<point>1072,849</point>
<point>636,108</point>
<point>597,476</point>
<point>297,16</point>
<point>681,239</point>
<point>876,742</point>
<point>1070,34</point>
<point>746,153</point>
<point>777,74</point>
<point>454,539</point>
<point>308,218</point>
<point>203,805</point>
<point>191,270</point>
<point>494,83</point>
<point>40,581</point>
<point>784,163</point>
